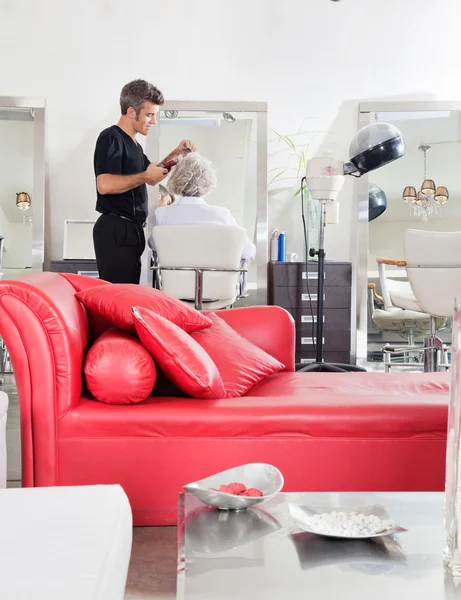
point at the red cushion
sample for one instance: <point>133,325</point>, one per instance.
<point>240,363</point>
<point>114,302</point>
<point>118,369</point>
<point>98,325</point>
<point>178,355</point>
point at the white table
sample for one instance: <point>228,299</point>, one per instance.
<point>64,543</point>
<point>254,554</point>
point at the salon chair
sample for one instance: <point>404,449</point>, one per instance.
<point>433,264</point>
<point>397,310</point>
<point>201,264</point>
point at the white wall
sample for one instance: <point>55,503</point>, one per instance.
<point>17,253</point>
<point>310,59</point>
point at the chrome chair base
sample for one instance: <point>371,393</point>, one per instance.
<point>4,360</point>
<point>432,357</point>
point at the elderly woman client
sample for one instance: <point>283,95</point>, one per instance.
<point>192,179</point>
<point>165,197</point>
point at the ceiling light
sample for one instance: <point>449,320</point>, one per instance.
<point>430,199</point>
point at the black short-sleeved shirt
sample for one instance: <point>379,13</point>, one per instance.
<point>117,153</point>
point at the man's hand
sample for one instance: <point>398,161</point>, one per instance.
<point>179,151</point>
<point>154,174</point>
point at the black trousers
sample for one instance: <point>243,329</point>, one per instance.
<point>118,245</point>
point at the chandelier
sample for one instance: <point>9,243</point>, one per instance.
<point>429,200</point>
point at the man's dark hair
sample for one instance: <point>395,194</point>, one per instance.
<point>136,93</point>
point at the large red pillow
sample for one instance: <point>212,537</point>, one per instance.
<point>240,363</point>
<point>114,301</point>
<point>118,369</point>
<point>98,325</point>
<point>182,360</point>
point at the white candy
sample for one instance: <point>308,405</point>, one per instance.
<point>348,524</point>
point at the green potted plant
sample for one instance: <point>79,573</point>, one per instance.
<point>299,154</point>
<point>293,172</point>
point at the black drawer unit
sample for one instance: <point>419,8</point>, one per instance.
<point>294,286</point>
<point>79,267</point>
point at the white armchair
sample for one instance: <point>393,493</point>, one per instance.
<point>200,264</point>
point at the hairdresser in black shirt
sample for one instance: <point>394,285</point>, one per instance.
<point>122,171</point>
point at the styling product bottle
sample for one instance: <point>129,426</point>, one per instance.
<point>274,246</point>
<point>282,247</point>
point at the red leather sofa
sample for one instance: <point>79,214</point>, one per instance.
<point>325,432</point>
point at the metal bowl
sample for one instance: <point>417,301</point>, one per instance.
<point>301,514</point>
<point>264,477</point>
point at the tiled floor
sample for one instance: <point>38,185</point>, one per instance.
<point>152,573</point>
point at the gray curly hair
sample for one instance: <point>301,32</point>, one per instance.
<point>193,176</point>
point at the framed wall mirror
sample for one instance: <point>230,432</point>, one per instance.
<point>432,133</point>
<point>233,136</point>
<point>22,185</point>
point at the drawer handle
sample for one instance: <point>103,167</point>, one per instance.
<point>309,341</point>
<point>305,297</point>
<point>310,319</point>
<point>305,361</point>
<point>312,275</point>
<point>94,274</point>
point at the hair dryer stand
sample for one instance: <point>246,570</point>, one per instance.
<point>319,364</point>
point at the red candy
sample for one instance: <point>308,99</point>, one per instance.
<point>238,489</point>
<point>253,492</point>
<point>225,489</point>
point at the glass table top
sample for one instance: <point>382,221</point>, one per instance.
<point>259,553</point>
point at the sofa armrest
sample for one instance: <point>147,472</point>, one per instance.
<point>46,333</point>
<point>272,328</point>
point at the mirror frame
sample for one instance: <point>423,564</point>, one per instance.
<point>38,192</point>
<point>262,241</point>
<point>367,112</point>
